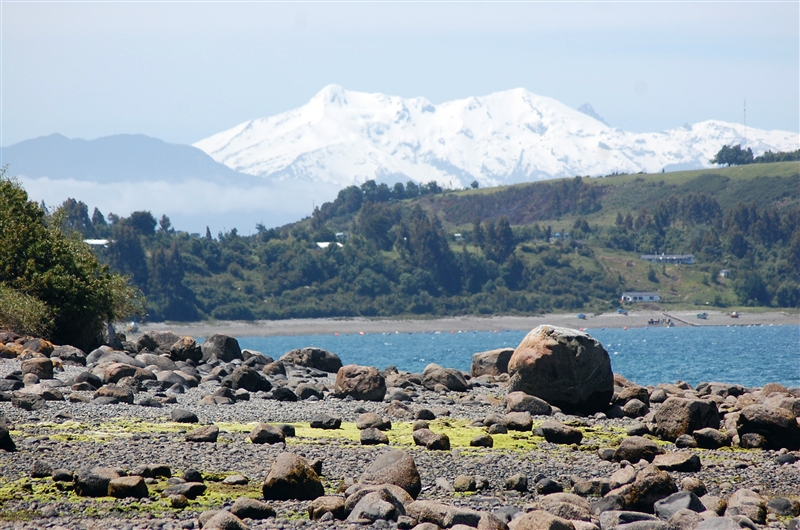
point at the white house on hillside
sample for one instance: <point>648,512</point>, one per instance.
<point>635,296</point>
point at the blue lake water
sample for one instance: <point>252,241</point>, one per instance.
<point>751,356</point>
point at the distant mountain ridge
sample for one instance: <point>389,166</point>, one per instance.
<point>345,137</point>
<point>117,158</point>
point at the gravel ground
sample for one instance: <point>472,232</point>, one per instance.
<point>42,435</point>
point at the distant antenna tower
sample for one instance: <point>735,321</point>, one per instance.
<point>745,123</point>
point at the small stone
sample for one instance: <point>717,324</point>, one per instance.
<point>40,469</point>
<point>324,421</point>
<point>207,434</point>
<point>518,482</point>
<point>546,486</point>
<point>557,432</point>
<point>685,441</point>
<point>236,480</point>
<point>178,501</point>
<point>482,440</point>
<point>497,428</point>
<point>419,424</point>
<point>124,487</point>
<point>247,508</point>
<point>464,483</point>
<point>191,490</point>
<point>370,419</point>
<point>327,505</point>
<point>192,475</point>
<point>223,520</point>
<point>183,416</point>
<point>693,484</point>
<point>263,433</point>
<point>424,414</point>
<point>431,440</point>
<point>62,475</point>
<point>372,436</point>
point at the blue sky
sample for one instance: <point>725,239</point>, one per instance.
<point>184,71</point>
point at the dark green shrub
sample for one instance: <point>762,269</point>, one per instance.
<point>41,264</point>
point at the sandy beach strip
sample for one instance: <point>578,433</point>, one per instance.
<point>324,326</point>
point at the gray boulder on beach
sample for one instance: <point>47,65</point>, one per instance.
<point>152,340</point>
<point>264,433</point>
<point>778,426</point>
<point>522,402</point>
<point>450,378</point>
<point>313,358</point>
<point>565,367</point>
<point>291,477</point>
<point>186,349</point>
<point>221,348</point>
<point>635,448</point>
<point>492,362</point>
<point>677,416</point>
<point>361,382</point>
<point>394,467</point>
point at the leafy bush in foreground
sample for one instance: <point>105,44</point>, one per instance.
<point>60,288</point>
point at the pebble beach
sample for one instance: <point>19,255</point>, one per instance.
<point>76,430</point>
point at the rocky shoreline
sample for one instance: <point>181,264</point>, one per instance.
<point>163,433</point>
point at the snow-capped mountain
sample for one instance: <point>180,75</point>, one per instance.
<point>343,137</point>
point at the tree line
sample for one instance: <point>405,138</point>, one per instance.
<point>391,255</point>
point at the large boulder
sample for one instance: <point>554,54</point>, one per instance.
<point>264,433</point>
<point>565,367</point>
<point>677,416</point>
<point>635,448</point>
<point>247,378</point>
<point>313,358</point>
<point>651,485</point>
<point>374,506</point>
<point>449,378</point>
<point>41,367</point>
<point>221,348</point>
<point>186,349</point>
<point>431,440</point>
<point>558,433</point>
<point>360,382</point>
<point>152,340</point>
<point>93,482</point>
<point>566,505</point>
<point>748,503</point>
<point>70,355</point>
<point>125,487</point>
<point>291,477</point>
<point>683,500</point>
<point>394,467</point>
<point>492,362</point>
<point>332,504</point>
<point>778,426</point>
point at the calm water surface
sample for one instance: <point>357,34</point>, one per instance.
<point>751,356</point>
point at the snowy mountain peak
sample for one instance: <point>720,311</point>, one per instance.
<point>343,137</point>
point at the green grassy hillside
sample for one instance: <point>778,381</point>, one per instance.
<point>422,250</point>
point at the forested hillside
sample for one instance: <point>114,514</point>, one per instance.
<point>422,250</point>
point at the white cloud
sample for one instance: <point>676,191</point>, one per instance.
<point>191,205</point>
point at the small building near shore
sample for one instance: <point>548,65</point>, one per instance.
<point>635,296</point>
<point>724,273</point>
<point>684,259</point>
